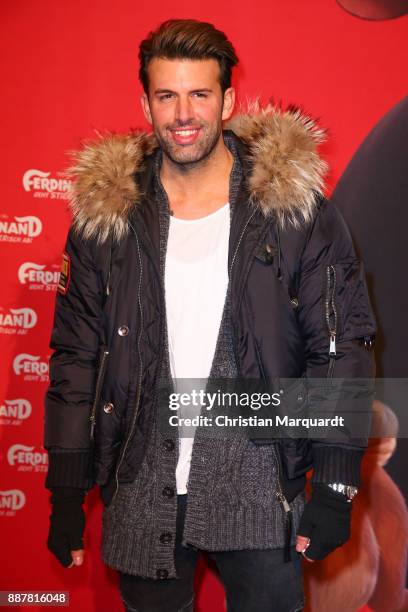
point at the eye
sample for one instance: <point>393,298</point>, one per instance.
<point>166,96</point>
<point>200,94</point>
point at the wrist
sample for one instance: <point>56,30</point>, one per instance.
<point>67,496</point>
<point>349,491</point>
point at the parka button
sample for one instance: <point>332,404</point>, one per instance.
<point>168,444</point>
<point>168,492</point>
<point>108,407</point>
<point>123,330</point>
<point>162,574</point>
<point>165,538</point>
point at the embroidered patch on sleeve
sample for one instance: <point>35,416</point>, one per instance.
<point>65,274</point>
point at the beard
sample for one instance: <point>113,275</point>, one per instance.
<point>189,156</point>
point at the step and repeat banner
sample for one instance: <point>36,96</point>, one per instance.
<point>69,72</point>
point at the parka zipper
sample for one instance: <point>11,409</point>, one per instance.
<point>239,241</point>
<point>139,385</point>
<point>98,390</point>
<point>286,508</point>
<point>331,310</point>
<point>230,271</point>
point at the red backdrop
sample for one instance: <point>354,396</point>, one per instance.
<point>70,68</point>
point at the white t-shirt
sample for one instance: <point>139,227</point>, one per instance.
<point>196,280</point>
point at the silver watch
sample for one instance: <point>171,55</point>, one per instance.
<point>348,490</point>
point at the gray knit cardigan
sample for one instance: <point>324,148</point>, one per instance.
<point>231,501</point>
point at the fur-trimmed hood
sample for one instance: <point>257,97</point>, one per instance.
<point>286,171</point>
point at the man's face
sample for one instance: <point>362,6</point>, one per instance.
<point>186,107</point>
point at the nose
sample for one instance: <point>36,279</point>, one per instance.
<point>184,111</point>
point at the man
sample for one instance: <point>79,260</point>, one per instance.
<point>198,252</point>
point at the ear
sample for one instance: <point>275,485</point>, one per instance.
<point>144,100</point>
<point>228,103</point>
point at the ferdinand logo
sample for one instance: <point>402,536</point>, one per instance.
<point>45,186</point>
<point>30,367</point>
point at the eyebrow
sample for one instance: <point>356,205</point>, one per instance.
<point>200,89</point>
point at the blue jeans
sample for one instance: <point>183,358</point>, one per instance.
<point>254,580</point>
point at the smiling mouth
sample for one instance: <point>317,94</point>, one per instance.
<point>185,136</point>
<point>186,132</point>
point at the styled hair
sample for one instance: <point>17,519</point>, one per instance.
<point>188,39</point>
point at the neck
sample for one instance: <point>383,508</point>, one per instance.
<point>195,190</point>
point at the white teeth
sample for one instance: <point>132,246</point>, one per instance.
<point>185,132</point>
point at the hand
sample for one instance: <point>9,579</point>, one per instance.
<point>67,523</point>
<point>325,523</point>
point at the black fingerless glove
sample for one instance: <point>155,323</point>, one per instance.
<point>67,523</point>
<point>326,521</point>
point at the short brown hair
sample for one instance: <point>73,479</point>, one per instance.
<point>188,39</point>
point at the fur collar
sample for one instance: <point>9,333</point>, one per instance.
<point>285,179</point>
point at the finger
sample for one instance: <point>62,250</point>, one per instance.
<point>77,556</point>
<point>302,543</point>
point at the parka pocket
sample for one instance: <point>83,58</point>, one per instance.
<point>109,432</point>
<point>348,313</point>
<point>347,306</point>
<point>103,362</point>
